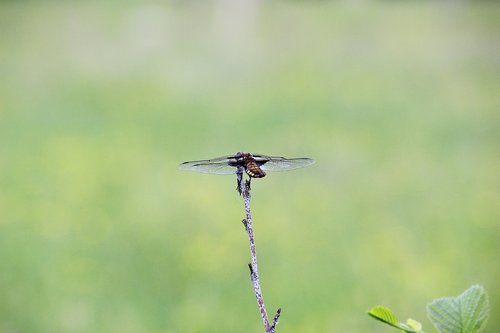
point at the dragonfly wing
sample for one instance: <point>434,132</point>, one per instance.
<point>218,166</point>
<point>275,163</point>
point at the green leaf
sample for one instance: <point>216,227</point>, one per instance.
<point>385,315</point>
<point>413,324</point>
<point>466,313</point>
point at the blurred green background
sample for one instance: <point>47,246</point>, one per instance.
<point>398,103</point>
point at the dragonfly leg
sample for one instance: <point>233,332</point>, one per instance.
<point>239,181</point>
<point>247,183</point>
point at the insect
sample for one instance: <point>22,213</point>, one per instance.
<point>255,165</point>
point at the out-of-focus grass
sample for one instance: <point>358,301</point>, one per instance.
<point>99,232</point>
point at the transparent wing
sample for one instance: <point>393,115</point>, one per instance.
<point>217,166</point>
<point>277,163</point>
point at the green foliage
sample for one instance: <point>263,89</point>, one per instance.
<point>385,315</point>
<point>466,313</point>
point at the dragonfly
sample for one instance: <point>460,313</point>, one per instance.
<point>254,165</point>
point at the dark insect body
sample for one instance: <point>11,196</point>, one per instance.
<point>255,165</point>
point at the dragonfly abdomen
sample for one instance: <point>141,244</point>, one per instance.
<point>253,170</point>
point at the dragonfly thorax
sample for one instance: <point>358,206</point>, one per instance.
<point>251,166</point>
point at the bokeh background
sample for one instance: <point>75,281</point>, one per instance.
<point>398,102</point>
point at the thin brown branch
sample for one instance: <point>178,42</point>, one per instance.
<point>254,270</point>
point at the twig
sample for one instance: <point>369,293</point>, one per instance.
<point>275,320</point>
<point>244,189</point>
